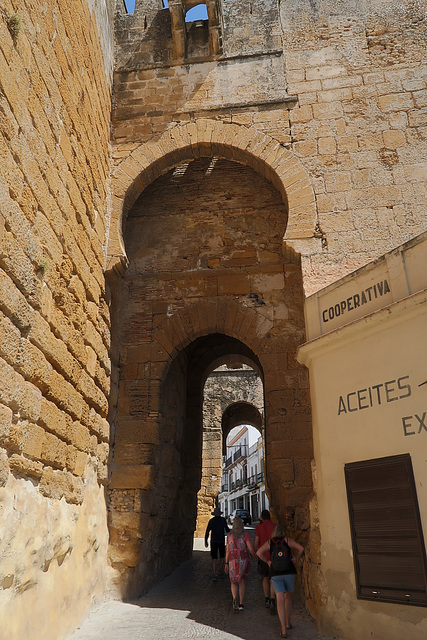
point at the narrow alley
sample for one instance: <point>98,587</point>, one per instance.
<point>188,604</point>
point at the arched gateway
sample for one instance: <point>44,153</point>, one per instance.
<point>209,138</point>
<point>196,248</point>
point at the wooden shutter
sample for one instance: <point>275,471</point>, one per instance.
<point>388,543</point>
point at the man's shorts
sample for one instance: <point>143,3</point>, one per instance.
<point>215,547</point>
<point>263,568</point>
<point>283,584</point>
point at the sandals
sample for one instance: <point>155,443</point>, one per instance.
<point>284,634</point>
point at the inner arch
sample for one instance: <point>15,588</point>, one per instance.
<point>240,413</point>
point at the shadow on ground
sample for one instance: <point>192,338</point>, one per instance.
<point>188,604</point>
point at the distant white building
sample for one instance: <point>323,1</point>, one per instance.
<point>243,485</point>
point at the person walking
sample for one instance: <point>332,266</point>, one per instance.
<point>217,527</point>
<point>263,533</point>
<point>284,553</point>
<point>237,561</point>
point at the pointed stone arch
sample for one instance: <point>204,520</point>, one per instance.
<point>205,137</point>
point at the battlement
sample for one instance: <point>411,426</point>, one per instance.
<point>158,35</point>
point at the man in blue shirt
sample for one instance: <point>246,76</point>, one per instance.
<point>217,527</point>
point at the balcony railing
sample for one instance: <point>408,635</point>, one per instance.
<point>237,454</point>
<point>251,481</point>
<point>235,485</point>
<point>256,479</point>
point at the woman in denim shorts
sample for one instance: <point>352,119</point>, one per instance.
<point>282,581</point>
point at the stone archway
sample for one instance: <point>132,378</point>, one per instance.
<point>239,413</point>
<point>208,138</point>
<point>207,278</point>
<point>233,395</point>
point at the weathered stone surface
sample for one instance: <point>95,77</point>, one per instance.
<point>45,546</point>
<point>299,121</point>
<point>5,422</point>
<point>54,151</point>
<point>131,477</point>
<point>4,468</point>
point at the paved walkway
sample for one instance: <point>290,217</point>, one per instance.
<point>188,604</point>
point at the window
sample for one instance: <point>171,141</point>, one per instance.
<point>388,544</point>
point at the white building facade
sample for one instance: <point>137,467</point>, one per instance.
<point>243,482</point>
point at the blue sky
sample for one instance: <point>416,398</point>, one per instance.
<point>197,13</point>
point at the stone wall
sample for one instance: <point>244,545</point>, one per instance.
<point>54,318</point>
<point>359,72</point>
<point>340,85</point>
<point>154,89</point>
<point>324,99</point>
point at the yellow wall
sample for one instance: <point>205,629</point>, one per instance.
<point>382,347</point>
<point>55,103</point>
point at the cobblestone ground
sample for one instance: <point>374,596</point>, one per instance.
<point>188,604</point>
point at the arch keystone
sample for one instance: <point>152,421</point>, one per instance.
<point>204,131</point>
<point>186,136</point>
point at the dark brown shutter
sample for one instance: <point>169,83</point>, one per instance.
<point>388,543</point>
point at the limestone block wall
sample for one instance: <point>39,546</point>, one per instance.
<point>341,85</point>
<point>250,27</point>
<point>324,99</point>
<point>55,95</point>
<point>359,71</point>
<point>153,89</point>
